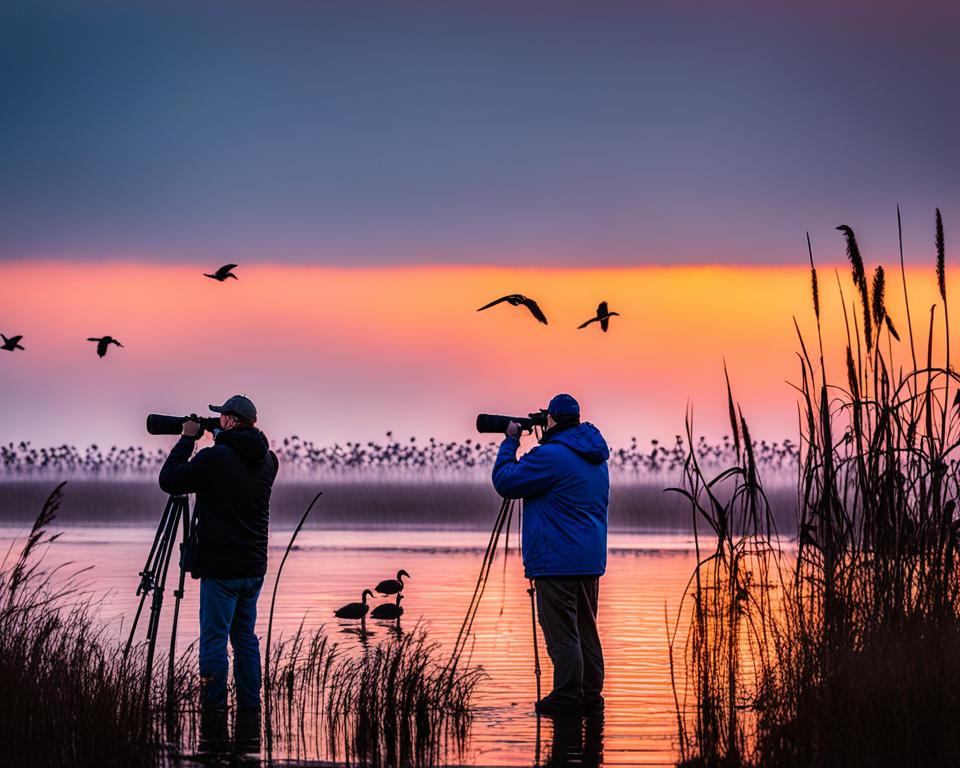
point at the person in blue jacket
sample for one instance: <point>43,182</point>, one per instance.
<point>565,487</point>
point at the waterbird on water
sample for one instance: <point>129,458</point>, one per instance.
<point>11,343</point>
<point>388,610</point>
<point>516,299</point>
<point>603,317</point>
<point>393,586</point>
<point>223,273</point>
<point>355,610</point>
<point>103,343</point>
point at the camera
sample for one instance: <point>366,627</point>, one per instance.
<point>173,425</point>
<point>490,422</point>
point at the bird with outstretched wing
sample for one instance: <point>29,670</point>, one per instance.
<point>11,343</point>
<point>603,317</point>
<point>516,300</point>
<point>223,273</point>
<point>103,343</point>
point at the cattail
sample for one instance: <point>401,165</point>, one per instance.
<point>852,380</point>
<point>813,280</point>
<point>878,285</point>
<point>941,260</point>
<point>893,331</point>
<point>859,280</point>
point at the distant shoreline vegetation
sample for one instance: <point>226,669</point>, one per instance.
<point>391,459</point>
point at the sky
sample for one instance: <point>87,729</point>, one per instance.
<point>336,354</point>
<point>379,169</point>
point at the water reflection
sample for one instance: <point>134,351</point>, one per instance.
<point>645,578</point>
<point>217,747</point>
<point>577,740</point>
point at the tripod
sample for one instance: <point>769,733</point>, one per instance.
<point>153,579</point>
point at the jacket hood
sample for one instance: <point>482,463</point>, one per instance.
<point>585,440</point>
<point>249,442</point>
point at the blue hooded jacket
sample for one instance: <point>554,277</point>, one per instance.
<point>565,489</point>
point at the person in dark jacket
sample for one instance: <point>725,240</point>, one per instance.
<point>232,480</point>
<point>565,489</point>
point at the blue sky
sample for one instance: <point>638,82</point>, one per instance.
<point>528,133</point>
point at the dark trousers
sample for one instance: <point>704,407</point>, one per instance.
<point>568,616</point>
<point>228,608</point>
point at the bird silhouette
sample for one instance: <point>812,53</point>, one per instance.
<point>223,273</point>
<point>388,610</point>
<point>103,343</point>
<point>392,586</point>
<point>355,610</point>
<point>603,317</point>
<point>516,299</point>
<point>12,343</point>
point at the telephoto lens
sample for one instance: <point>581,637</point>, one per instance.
<point>490,422</point>
<point>158,424</point>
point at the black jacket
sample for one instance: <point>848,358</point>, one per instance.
<point>232,480</point>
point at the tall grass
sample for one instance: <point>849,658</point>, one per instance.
<point>395,704</point>
<point>71,697</point>
<point>68,697</point>
<point>837,648</point>
<point>389,461</point>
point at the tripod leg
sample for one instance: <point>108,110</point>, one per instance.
<point>148,573</point>
<point>178,595</point>
<point>164,550</point>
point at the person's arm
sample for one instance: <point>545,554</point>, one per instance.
<point>531,475</point>
<point>180,474</point>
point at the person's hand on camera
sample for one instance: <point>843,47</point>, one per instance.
<point>514,430</point>
<point>191,428</point>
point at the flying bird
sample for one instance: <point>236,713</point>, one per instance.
<point>12,343</point>
<point>388,610</point>
<point>223,273</point>
<point>355,610</point>
<point>603,317</point>
<point>516,299</point>
<point>392,586</point>
<point>103,343</point>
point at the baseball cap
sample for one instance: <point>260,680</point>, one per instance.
<point>239,406</point>
<point>563,405</point>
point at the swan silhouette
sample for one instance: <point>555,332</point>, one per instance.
<point>388,610</point>
<point>354,610</point>
<point>392,586</point>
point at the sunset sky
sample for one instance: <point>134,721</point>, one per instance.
<point>380,171</point>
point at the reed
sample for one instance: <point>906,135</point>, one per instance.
<point>831,649</point>
<point>371,462</point>
<point>71,697</point>
<point>396,703</point>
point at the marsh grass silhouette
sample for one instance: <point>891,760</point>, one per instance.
<point>391,459</point>
<point>71,697</point>
<point>834,650</point>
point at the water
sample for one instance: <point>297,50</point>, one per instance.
<point>645,579</point>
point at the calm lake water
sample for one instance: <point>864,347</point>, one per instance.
<point>645,579</point>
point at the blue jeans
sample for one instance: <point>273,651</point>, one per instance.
<point>228,607</point>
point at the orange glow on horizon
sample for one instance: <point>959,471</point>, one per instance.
<point>337,353</point>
